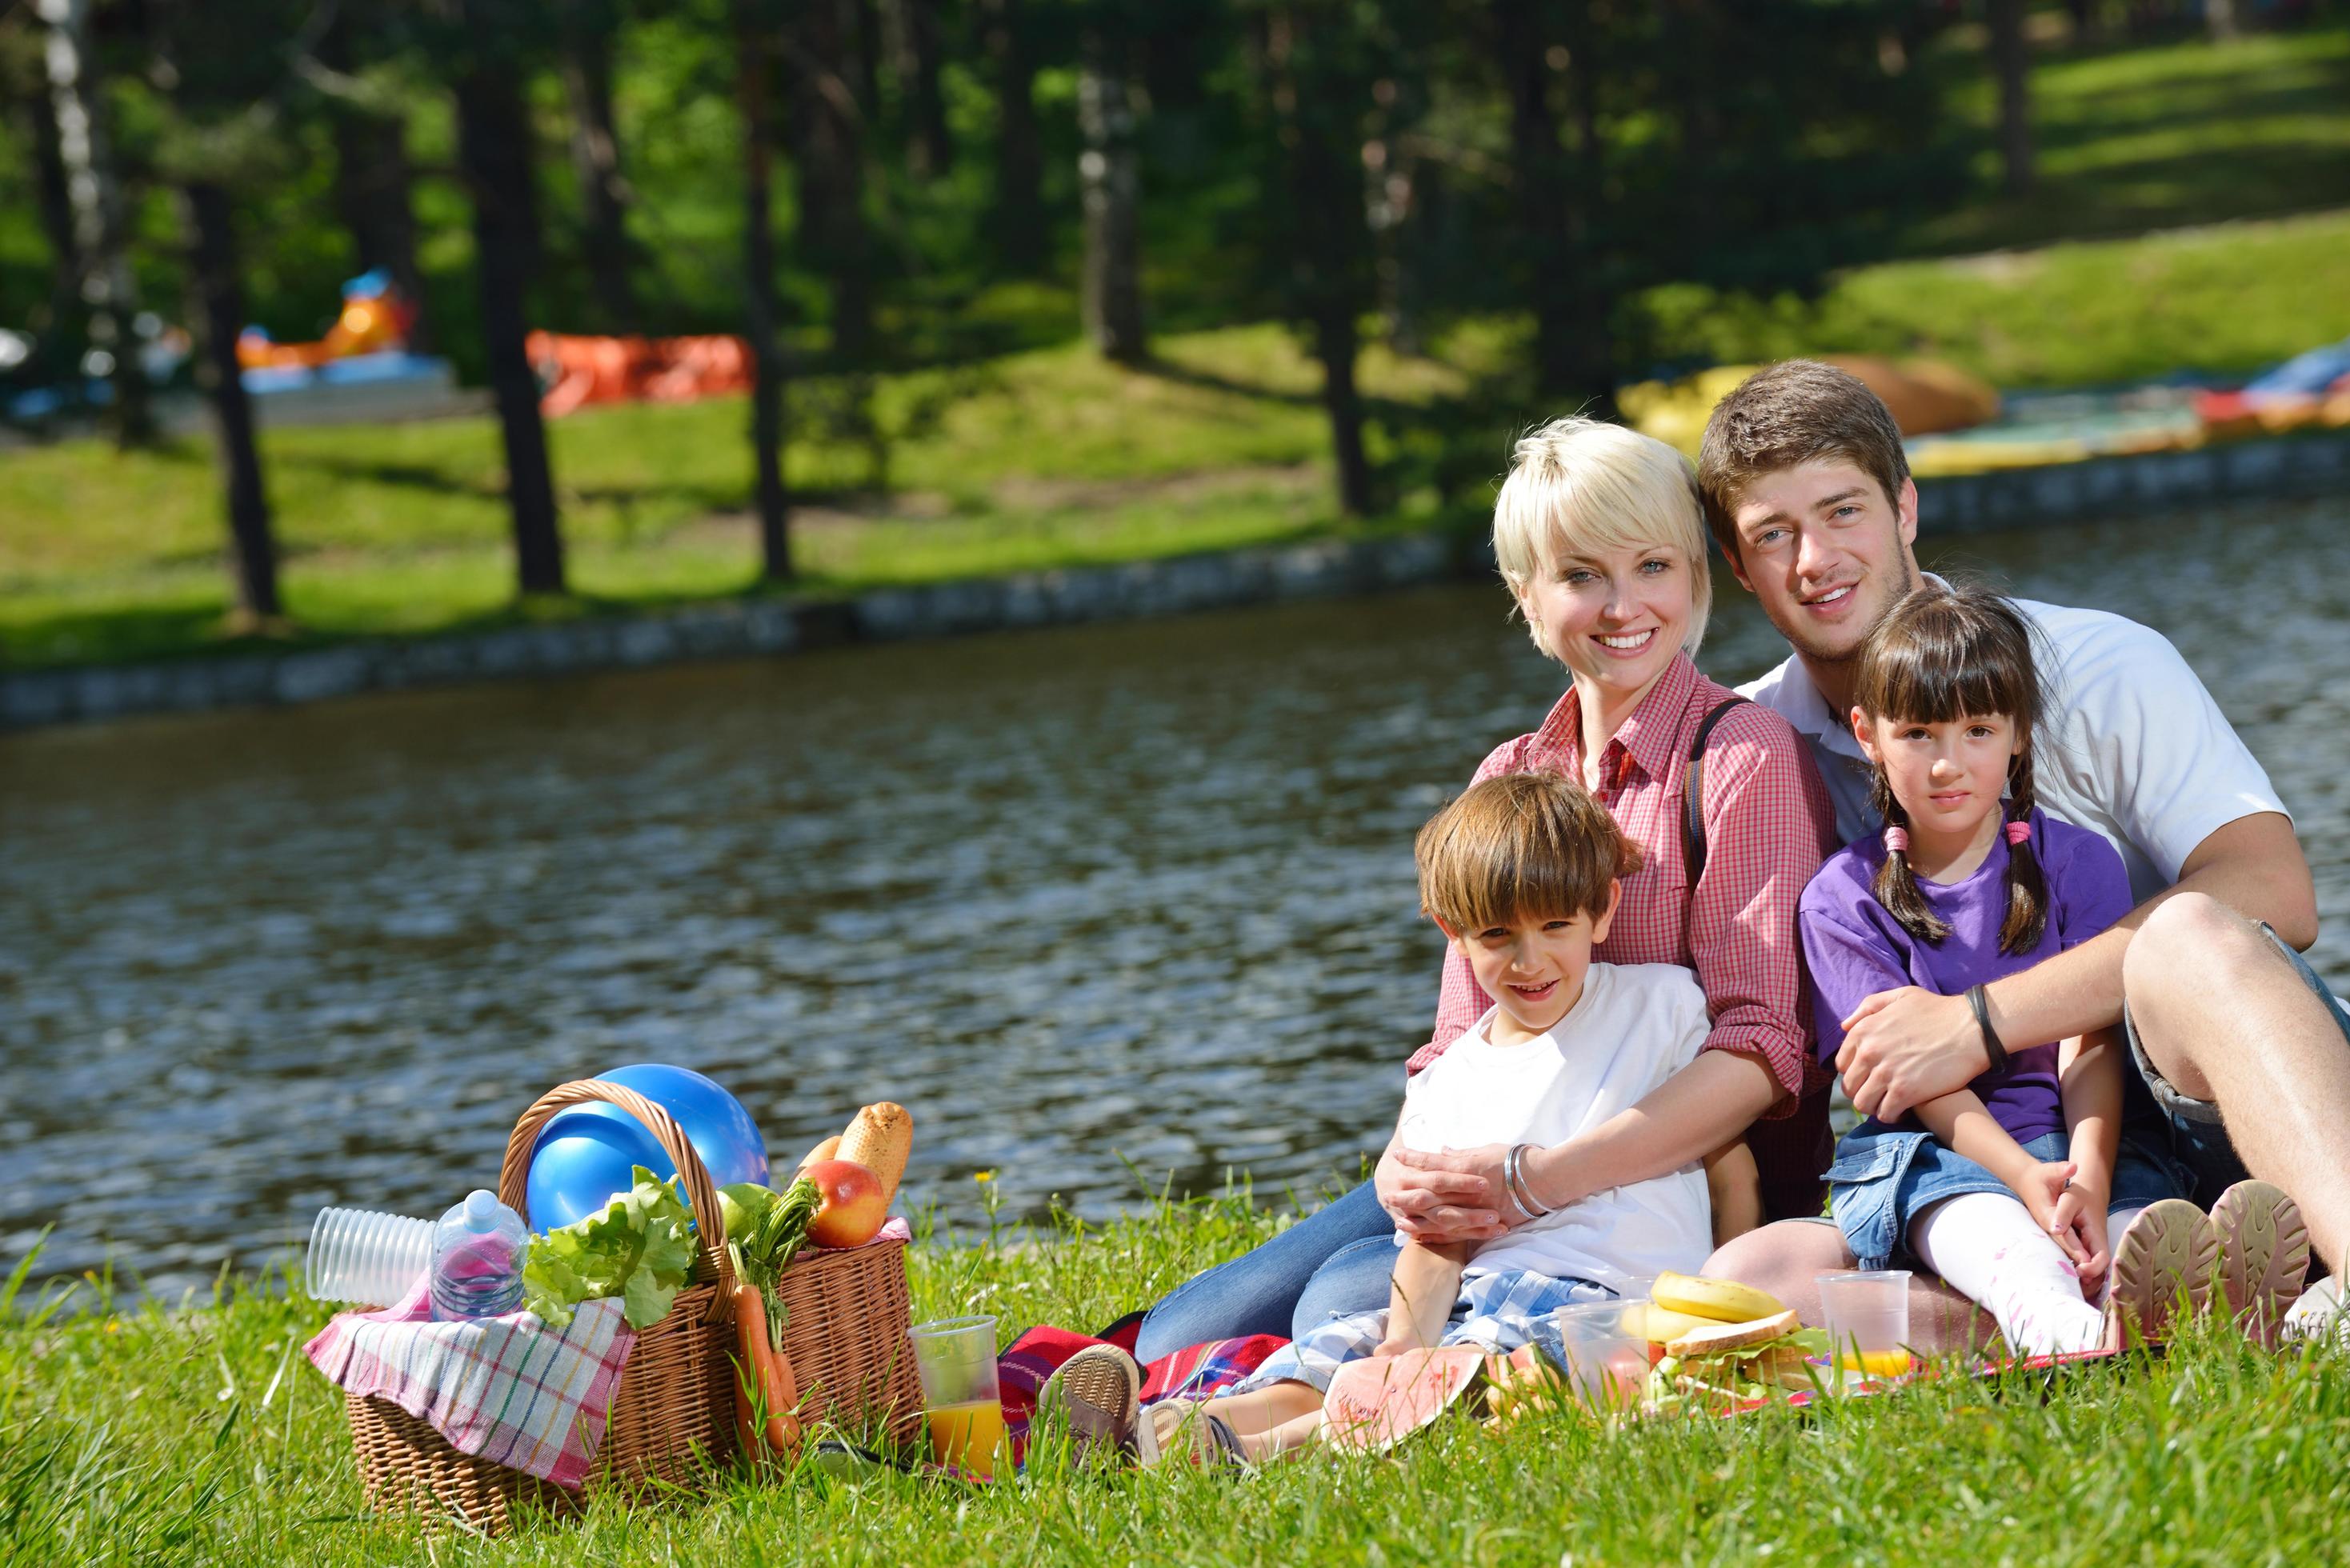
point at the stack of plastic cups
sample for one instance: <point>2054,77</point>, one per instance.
<point>374,1259</point>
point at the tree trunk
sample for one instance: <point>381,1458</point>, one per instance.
<point>101,232</point>
<point>931,150</point>
<point>1108,171</point>
<point>1021,242</point>
<point>2220,16</point>
<point>1327,222</point>
<point>373,190</point>
<point>588,30</point>
<point>864,31</point>
<point>829,159</point>
<point>1592,300</point>
<point>1538,164</point>
<point>493,147</point>
<point>767,385</point>
<point>59,329</point>
<point>372,184</point>
<point>2011,60</point>
<point>1336,341</point>
<point>219,307</point>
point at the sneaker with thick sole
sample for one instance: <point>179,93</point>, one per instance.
<point>2263,1253</point>
<point>2164,1263</point>
<point>1100,1389</point>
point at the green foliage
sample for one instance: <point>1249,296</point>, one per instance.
<point>140,1431</point>
<point>638,1247</point>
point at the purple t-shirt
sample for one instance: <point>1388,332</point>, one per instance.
<point>1854,948</point>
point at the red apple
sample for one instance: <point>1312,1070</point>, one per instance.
<point>854,1208</point>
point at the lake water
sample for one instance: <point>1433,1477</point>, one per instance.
<point>1107,906</point>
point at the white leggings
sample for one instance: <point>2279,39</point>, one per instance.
<point>1987,1245</point>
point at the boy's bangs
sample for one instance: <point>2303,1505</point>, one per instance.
<point>1516,849</point>
<point>1500,888</point>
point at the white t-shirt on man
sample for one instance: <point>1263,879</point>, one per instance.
<point>2131,745</point>
<point>1633,1026</point>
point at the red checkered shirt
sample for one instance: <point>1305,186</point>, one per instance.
<point>1767,826</point>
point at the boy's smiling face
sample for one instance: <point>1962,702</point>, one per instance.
<point>1533,968</point>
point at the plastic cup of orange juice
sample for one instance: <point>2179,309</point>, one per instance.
<point>955,1358</point>
<point>1867,1314</point>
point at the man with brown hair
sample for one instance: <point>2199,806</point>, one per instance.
<point>2240,1051</point>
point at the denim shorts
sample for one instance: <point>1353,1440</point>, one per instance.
<point>1884,1177</point>
<point>2190,1128</point>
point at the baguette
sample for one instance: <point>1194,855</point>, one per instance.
<point>828,1149</point>
<point>880,1138</point>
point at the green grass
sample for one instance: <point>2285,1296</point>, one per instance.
<point>2136,138</point>
<point>2227,300</point>
<point>131,1432</point>
<point>1041,460</point>
<point>1051,458</point>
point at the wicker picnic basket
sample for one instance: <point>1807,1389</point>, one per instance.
<point>673,1417</point>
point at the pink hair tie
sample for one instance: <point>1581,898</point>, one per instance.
<point>2018,831</point>
<point>1897,841</point>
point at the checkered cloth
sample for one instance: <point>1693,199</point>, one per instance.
<point>1024,1367</point>
<point>1497,1313</point>
<point>505,1389</point>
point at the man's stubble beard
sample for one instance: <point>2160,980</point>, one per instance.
<point>1819,655</point>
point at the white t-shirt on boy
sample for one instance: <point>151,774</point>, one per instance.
<point>1633,1026</point>
<point>2132,746</point>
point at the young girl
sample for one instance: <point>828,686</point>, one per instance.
<point>1522,874</point>
<point>2010,1185</point>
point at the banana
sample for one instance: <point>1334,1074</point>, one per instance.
<point>1721,1301</point>
<point>1662,1323</point>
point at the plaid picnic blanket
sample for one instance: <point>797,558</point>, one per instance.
<point>505,1389</point>
<point>1203,1369</point>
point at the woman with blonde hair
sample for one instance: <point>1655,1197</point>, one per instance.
<point>1602,542</point>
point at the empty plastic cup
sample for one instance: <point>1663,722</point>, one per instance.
<point>955,1358</point>
<point>1867,1314</point>
<point>360,1256</point>
<point>1604,1346</point>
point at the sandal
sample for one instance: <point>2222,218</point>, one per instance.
<point>2170,1252</point>
<point>2263,1253</point>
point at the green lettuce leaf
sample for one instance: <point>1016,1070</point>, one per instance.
<point>638,1247</point>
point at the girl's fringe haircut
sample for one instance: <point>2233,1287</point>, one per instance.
<point>1946,653</point>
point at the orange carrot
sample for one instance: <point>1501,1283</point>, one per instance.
<point>765,1386</point>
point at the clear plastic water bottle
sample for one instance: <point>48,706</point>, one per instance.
<point>478,1250</point>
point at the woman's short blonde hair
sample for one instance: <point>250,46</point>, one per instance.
<point>1579,486</point>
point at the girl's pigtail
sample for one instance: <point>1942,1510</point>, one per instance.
<point>1896,885</point>
<point>2027,884</point>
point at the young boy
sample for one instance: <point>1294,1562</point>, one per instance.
<point>1521,872</point>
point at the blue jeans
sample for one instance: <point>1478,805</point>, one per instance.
<point>2192,1127</point>
<point>1335,1260</point>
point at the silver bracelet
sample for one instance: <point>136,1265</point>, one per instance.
<point>1514,1173</point>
